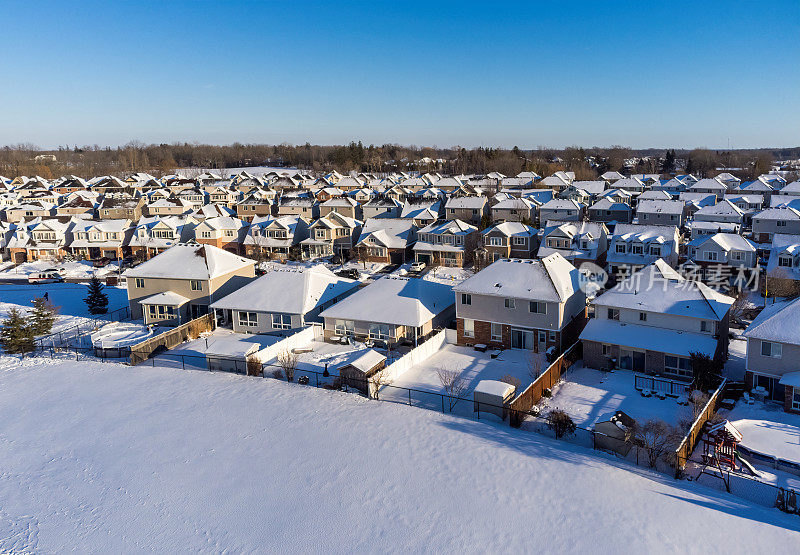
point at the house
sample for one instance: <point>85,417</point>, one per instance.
<point>381,207</point>
<point>635,246</point>
<point>195,196</point>
<point>39,239</point>
<point>522,304</point>
<point>446,243</point>
<point>653,320</point>
<point>208,211</point>
<point>154,234</point>
<point>574,193</point>
<point>510,240</point>
<point>768,222</point>
<point>79,205</point>
<point>557,182</point>
<point>333,234</point>
<point>305,207</point>
<point>783,264</point>
<point>92,240</point>
<point>631,184</point>
<point>578,242</point>
<point>514,210</point>
<point>710,185</point>
<point>224,232</point>
<point>168,207</point>
<point>386,240</point>
<point>655,194</point>
<point>723,257</point>
<point>608,210</point>
<point>724,211</point>
<point>710,228</point>
<point>180,283</point>
<point>346,206</point>
<point>418,309</point>
<point>661,212</point>
<point>422,212</point>
<point>758,187</point>
<point>468,209</point>
<point>257,203</point>
<point>561,209</point>
<point>790,189</point>
<point>121,206</point>
<point>274,237</point>
<point>282,299</point>
<point>593,188</point>
<point>773,349</point>
<point>29,210</point>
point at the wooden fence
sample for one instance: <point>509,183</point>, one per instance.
<point>525,401</point>
<point>172,338</point>
<point>689,442</point>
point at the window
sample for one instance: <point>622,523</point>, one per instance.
<point>248,319</point>
<point>613,314</point>
<point>785,261</point>
<point>637,249</point>
<point>520,241</point>
<point>552,336</point>
<point>469,327</point>
<point>643,316</point>
<point>678,366</point>
<point>537,307</point>
<point>655,251</point>
<point>139,283</point>
<point>772,350</point>
<point>711,255</point>
<point>780,223</point>
<point>796,398</point>
<point>495,241</point>
<point>466,298</point>
<point>205,234</point>
<point>606,349</point>
<point>380,331</point>
<point>510,303</point>
<point>196,285</point>
<point>620,248</point>
<point>281,321</point>
<point>344,327</point>
<point>497,332</point>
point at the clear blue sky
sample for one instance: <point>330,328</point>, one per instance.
<point>467,73</point>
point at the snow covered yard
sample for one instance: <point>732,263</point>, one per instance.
<point>75,269</point>
<point>766,428</point>
<point>737,357</point>
<point>590,396</point>
<point>473,366</point>
<point>103,457</point>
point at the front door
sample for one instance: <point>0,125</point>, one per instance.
<point>541,343</point>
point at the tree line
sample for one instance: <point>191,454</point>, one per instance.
<point>587,163</point>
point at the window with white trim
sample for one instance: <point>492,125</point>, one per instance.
<point>344,327</point>
<point>248,319</point>
<point>497,332</point>
<point>281,321</point>
<point>469,327</point>
<point>772,350</point>
<point>537,307</point>
<point>678,366</point>
<point>796,399</point>
<point>495,241</point>
<point>613,314</point>
<point>383,332</point>
<point>139,283</point>
<point>620,248</point>
<point>466,298</point>
<point>520,241</point>
<point>509,303</point>
<point>196,285</point>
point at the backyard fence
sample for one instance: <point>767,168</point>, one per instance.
<point>666,386</point>
<point>689,442</point>
<point>172,338</point>
<point>522,404</point>
<point>74,333</point>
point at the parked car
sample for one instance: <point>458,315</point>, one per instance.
<point>48,276</point>
<point>352,273</point>
<point>417,266</point>
<point>101,262</point>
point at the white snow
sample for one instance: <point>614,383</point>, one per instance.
<point>77,270</point>
<point>768,429</point>
<point>590,396</point>
<point>107,458</point>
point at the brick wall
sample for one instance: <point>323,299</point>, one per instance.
<point>787,400</point>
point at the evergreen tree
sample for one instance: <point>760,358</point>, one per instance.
<point>16,335</point>
<point>42,317</point>
<point>96,300</point>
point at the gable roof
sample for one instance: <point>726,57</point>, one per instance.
<point>190,261</point>
<point>778,322</point>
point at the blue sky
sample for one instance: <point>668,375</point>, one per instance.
<point>466,73</point>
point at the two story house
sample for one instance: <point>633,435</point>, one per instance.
<point>386,240</point>
<point>578,242</point>
<point>522,304</point>
<point>510,240</point>
<point>661,212</point>
<point>332,235</point>
<point>224,232</point>
<point>635,246</point>
<point>653,320</point>
<point>92,240</point>
<point>446,243</point>
<point>275,237</point>
<point>470,209</point>
<point>561,210</point>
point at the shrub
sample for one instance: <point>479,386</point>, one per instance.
<point>512,380</point>
<point>561,423</point>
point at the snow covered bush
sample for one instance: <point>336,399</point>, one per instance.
<point>656,438</point>
<point>561,423</point>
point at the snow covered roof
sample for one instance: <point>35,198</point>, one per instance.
<point>190,261</point>
<point>722,208</point>
<point>651,338</point>
<point>552,278</point>
<point>472,202</point>
<point>368,360</point>
<point>562,204</point>
<point>659,288</point>
<point>779,322</point>
<point>661,206</point>
<point>397,301</point>
<point>784,213</point>
<point>291,291</point>
<point>495,388</point>
<point>510,229</point>
<point>644,233</point>
<point>514,204</point>
<point>591,187</point>
<point>455,227</point>
<point>392,233</point>
<point>791,379</point>
<point>167,298</point>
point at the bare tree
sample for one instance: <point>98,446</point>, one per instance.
<point>740,304</point>
<point>288,361</point>
<point>697,401</point>
<point>656,438</point>
<point>534,365</point>
<point>512,380</point>
<point>376,381</point>
<point>453,383</point>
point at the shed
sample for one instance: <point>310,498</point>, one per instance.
<point>356,373</point>
<point>615,433</point>
<point>230,354</point>
<point>493,396</point>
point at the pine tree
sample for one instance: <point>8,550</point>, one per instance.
<point>42,317</point>
<point>96,300</point>
<point>16,335</point>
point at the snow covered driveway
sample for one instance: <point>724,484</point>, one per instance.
<point>108,458</point>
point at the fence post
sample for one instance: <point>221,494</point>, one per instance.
<point>409,397</point>
<point>442,396</point>
<point>183,363</point>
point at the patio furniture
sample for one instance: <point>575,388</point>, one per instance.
<point>480,347</point>
<point>661,395</point>
<point>759,393</point>
<point>747,398</point>
<point>646,392</point>
<point>682,400</point>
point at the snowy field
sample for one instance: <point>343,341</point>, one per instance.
<point>473,366</point>
<point>108,458</point>
<point>590,396</point>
